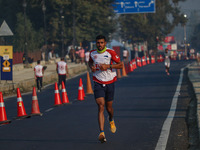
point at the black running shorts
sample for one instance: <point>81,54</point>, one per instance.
<point>104,90</point>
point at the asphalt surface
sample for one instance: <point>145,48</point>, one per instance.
<point>142,103</point>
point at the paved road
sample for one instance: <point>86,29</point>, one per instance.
<point>142,103</point>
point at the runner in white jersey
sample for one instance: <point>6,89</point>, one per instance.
<point>39,71</point>
<point>103,62</point>
<point>62,71</point>
<point>167,61</point>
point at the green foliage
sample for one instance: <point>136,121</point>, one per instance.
<point>33,38</point>
<point>91,18</point>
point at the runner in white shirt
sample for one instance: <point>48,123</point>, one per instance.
<point>167,61</point>
<point>39,71</point>
<point>87,57</point>
<point>62,71</point>
<point>103,62</point>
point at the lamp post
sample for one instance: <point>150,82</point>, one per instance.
<point>62,31</point>
<point>74,25</point>
<point>25,34</point>
<point>185,38</point>
<point>45,37</point>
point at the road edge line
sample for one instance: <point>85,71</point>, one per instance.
<point>162,142</point>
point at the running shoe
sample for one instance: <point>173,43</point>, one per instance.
<point>102,137</point>
<point>112,126</point>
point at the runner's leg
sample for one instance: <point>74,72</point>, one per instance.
<point>101,103</point>
<point>109,109</point>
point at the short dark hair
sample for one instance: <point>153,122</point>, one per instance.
<point>62,58</point>
<point>100,37</point>
<point>38,62</point>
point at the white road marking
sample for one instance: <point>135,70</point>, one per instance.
<point>48,109</point>
<point>162,142</point>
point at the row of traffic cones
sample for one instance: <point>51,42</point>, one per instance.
<point>65,99</point>
<point>81,92</point>
<point>137,62</point>
<point>21,112</point>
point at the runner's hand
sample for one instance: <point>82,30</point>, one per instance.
<point>93,68</point>
<point>104,67</point>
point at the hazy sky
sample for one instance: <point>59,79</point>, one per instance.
<point>186,7</point>
<point>190,4</point>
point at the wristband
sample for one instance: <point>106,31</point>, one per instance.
<point>110,66</point>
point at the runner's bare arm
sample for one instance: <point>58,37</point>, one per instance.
<point>92,66</point>
<point>104,67</point>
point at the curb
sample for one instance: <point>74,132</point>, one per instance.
<point>194,77</point>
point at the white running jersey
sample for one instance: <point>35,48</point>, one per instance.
<point>61,67</point>
<point>38,70</point>
<point>125,53</point>
<point>107,57</point>
<point>87,56</point>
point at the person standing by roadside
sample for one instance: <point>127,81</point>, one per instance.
<point>103,62</point>
<point>87,57</point>
<point>81,55</point>
<point>72,54</point>
<point>125,56</point>
<point>39,72</point>
<point>62,71</point>
<point>167,61</point>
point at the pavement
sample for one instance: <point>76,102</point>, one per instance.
<point>23,76</point>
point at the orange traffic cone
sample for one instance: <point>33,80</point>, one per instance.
<point>119,73</point>
<point>80,91</point>
<point>21,112</point>
<point>123,71</point>
<point>57,100</point>
<point>35,105</point>
<point>3,116</point>
<point>65,99</point>
<point>83,91</point>
<point>89,85</point>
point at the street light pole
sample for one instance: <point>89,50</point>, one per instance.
<point>25,33</point>
<point>185,42</point>
<point>45,38</point>
<point>74,25</point>
<point>62,31</point>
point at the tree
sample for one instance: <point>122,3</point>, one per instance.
<point>91,18</point>
<point>150,27</point>
<point>33,38</point>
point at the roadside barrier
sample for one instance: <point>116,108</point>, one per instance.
<point>135,65</point>
<point>65,99</point>
<point>148,62</point>
<point>3,116</point>
<point>152,59</point>
<point>161,58</point>
<point>80,91</point>
<point>57,100</point>
<point>35,105</point>
<point>131,66</point>
<point>143,61</point>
